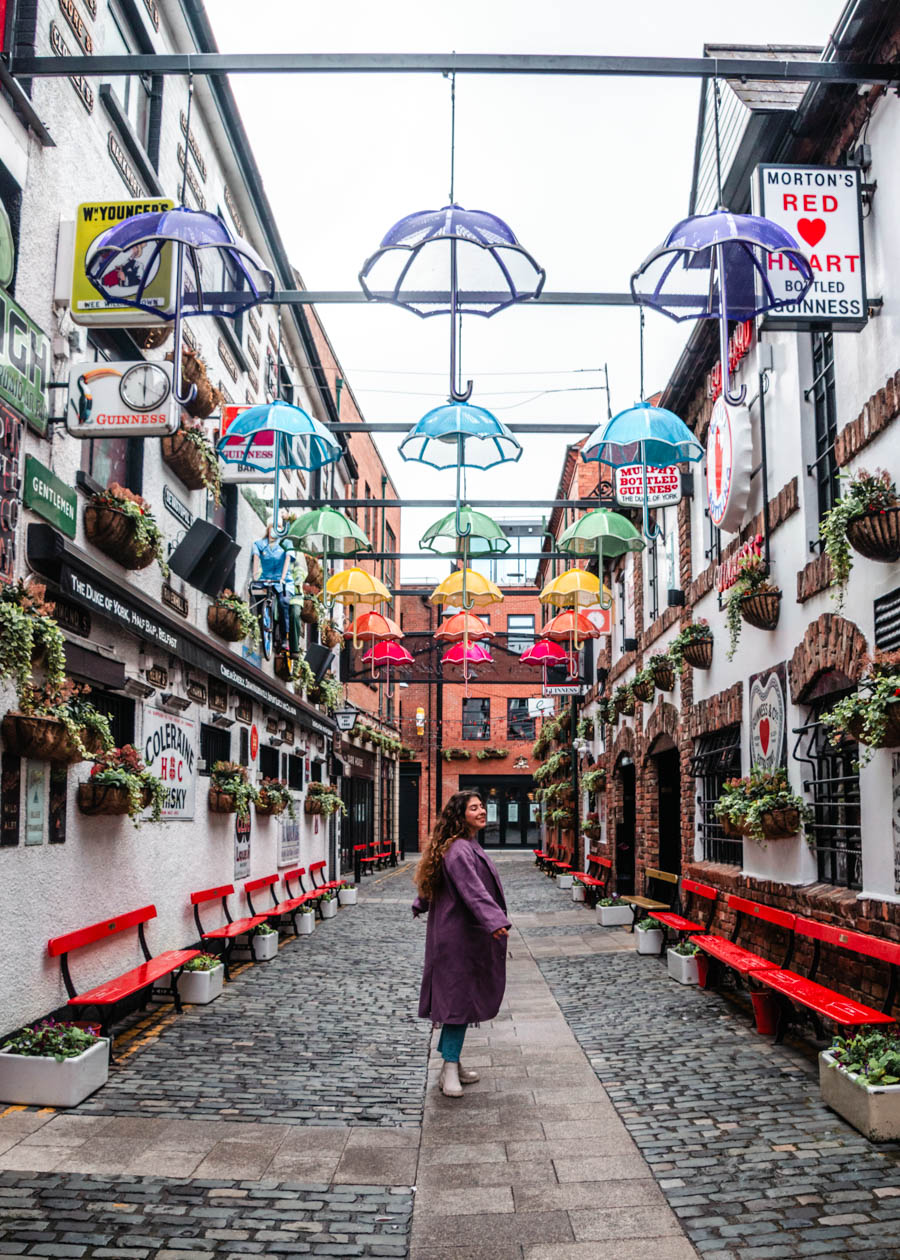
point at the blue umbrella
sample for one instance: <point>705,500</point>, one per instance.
<point>212,266</point>
<point>715,266</point>
<point>288,422</point>
<point>643,434</point>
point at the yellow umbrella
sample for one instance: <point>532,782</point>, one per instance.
<point>356,586</point>
<point>479,590</point>
<point>576,588</point>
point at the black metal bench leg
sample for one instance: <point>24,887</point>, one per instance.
<point>781,1022</point>
<point>225,956</point>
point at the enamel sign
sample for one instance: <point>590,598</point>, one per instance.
<point>261,455</point>
<point>768,725</point>
<point>663,486</point>
<point>132,399</point>
<point>122,272</point>
<point>170,752</point>
<point>729,460</point>
<point>821,207</point>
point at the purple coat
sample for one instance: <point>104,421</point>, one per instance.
<point>464,977</point>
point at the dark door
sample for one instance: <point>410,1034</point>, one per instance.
<point>668,771</point>
<point>510,811</point>
<point>410,777</point>
<point>625,828</point>
<point>358,827</point>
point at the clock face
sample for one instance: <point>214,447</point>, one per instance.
<point>144,387</point>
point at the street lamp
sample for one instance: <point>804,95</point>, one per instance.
<point>346,718</point>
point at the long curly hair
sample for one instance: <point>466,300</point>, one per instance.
<point>450,825</point>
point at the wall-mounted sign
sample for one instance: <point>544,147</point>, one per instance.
<point>739,344</point>
<point>35,802</point>
<point>78,81</point>
<point>663,486</point>
<point>131,399</point>
<point>10,449</point>
<point>10,799</point>
<point>242,829</point>
<point>157,676</point>
<point>179,510</point>
<point>121,275</point>
<point>78,26</point>
<point>287,733</point>
<point>233,211</point>
<point>196,690</point>
<point>153,12</point>
<point>600,618</point>
<point>228,360</point>
<point>192,181</point>
<point>56,817</point>
<point>729,465</point>
<point>192,144</point>
<point>261,453</point>
<point>271,726</point>
<point>243,711</point>
<point>130,177</point>
<point>254,742</point>
<point>768,718</point>
<point>218,696</point>
<point>50,497</point>
<point>170,752</point>
<point>288,842</point>
<point>71,617</point>
<point>821,207</point>
<point>564,689</point>
<point>420,720</point>
<point>728,572</point>
<point>175,600</point>
<point>24,364</point>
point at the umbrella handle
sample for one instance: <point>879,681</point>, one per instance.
<point>181,399</point>
<point>605,601</point>
<point>455,394</point>
<point>467,603</point>
<point>651,532</point>
<point>462,531</point>
<point>735,398</point>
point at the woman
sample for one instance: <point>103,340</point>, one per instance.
<point>465,948</point>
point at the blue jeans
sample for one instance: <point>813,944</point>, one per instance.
<point>451,1040</point>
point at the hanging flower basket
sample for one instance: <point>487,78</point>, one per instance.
<point>282,667</point>
<point>643,690</point>
<point>876,535</point>
<point>113,533</point>
<point>99,798</point>
<point>186,459</point>
<point>44,739</point>
<point>699,653</point>
<point>891,735</point>
<point>314,574</point>
<point>664,677</point>
<point>779,824</point>
<point>309,613</point>
<point>269,809</point>
<point>761,609</point>
<point>193,372</point>
<point>456,754</point>
<point>225,622</point>
<point>331,635</point>
<point>151,338</point>
<point>731,831</point>
<point>312,805</point>
<point>221,802</point>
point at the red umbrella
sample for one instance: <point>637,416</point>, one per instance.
<point>570,625</point>
<point>374,626</point>
<point>462,625</point>
<point>545,653</point>
<point>386,653</point>
<point>466,654</point>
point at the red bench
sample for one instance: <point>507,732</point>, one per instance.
<point>596,878</point>
<point>319,868</point>
<point>728,953</point>
<point>279,909</point>
<point>314,895</point>
<point>359,853</point>
<point>230,929</point>
<point>558,860</point>
<point>106,997</point>
<point>675,921</point>
<point>794,989</point>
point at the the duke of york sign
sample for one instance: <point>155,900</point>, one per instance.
<point>768,718</point>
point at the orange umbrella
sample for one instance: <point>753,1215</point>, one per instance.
<point>463,625</point>
<point>374,626</point>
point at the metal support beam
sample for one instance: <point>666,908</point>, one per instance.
<point>521,426</point>
<point>217,64</point>
<point>509,556</point>
<point>356,297</point>
<point>443,503</point>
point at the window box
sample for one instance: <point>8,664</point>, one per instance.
<point>41,1081</point>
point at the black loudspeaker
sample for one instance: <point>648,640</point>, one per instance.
<point>319,658</point>
<point>205,557</point>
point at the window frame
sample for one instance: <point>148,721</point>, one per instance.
<point>836,797</point>
<point>520,728</point>
<point>482,724</point>
<point>518,640</point>
<point>823,469</point>
<point>716,758</point>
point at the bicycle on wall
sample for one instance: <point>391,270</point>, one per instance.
<point>280,627</point>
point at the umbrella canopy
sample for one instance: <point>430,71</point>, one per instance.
<point>463,625</point>
<point>374,626</point>
<point>466,654</point>
<point>575,588</point>
<point>356,586</point>
<point>483,536</point>
<point>601,533</point>
<point>325,530</point>
<point>290,421</point>
<point>460,434</point>
<point>543,652</point>
<point>481,590</point>
<point>386,653</point>
<point>571,623</point>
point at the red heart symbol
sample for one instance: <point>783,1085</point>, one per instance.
<point>764,735</point>
<point>812,230</point>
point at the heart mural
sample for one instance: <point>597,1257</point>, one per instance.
<point>764,736</point>
<point>767,720</point>
<point>812,230</point>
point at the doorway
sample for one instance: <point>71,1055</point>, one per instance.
<point>625,773</point>
<point>668,775</point>
<point>511,810</point>
<point>408,809</point>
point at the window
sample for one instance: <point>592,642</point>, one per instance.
<point>390,544</point>
<point>134,92</point>
<point>620,582</point>
<point>836,828</point>
<point>476,718</point>
<point>215,745</point>
<point>244,746</point>
<point>519,632</point>
<point>518,724</point>
<point>119,710</point>
<point>717,757</point>
<point>824,467</point>
<point>295,773</point>
<point>268,762</point>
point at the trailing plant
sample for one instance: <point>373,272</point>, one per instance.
<point>27,628</point>
<point>585,728</point>
<point>456,754</point>
<point>685,948</point>
<point>66,703</point>
<point>203,962</point>
<point>606,712</point>
<point>147,534</point>
<point>123,768</point>
<point>276,792</point>
<point>752,579</point>
<point>210,473</point>
<point>867,713</point>
<point>542,743</point>
<point>557,761</point>
<point>643,681</point>
<point>693,632</point>
<point>864,493</point>
<point>613,900</point>
<point>594,780</point>
<point>623,699</point>
<point>264,929</point>
<point>51,1040</point>
<point>328,800</point>
<point>327,692</point>
<point>872,1055</point>
<point>561,817</point>
<point>302,672</point>
<point>659,660</point>
<point>233,780</point>
<point>492,754</point>
<point>745,801</point>
<point>249,625</point>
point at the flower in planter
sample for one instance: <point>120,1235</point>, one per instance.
<point>146,533</point>
<point>203,962</point>
<point>492,754</point>
<point>247,621</point>
<point>762,805</point>
<point>275,792</point>
<point>623,699</point>
<point>613,900</point>
<point>871,714</point>
<point>586,728</point>
<point>873,1055</point>
<point>752,579</point>
<point>456,754</point>
<point>28,629</point>
<point>685,948</point>
<point>265,929</point>
<point>123,768</point>
<point>863,495</point>
<point>66,703</point>
<point>594,780</point>
<point>663,671</point>
<point>694,632</point>
<point>648,924</point>
<point>50,1039</point>
<point>232,779</point>
<point>643,685</point>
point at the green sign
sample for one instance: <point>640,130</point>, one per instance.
<point>24,363</point>
<point>49,497</point>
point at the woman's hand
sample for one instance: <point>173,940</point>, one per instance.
<point>499,933</point>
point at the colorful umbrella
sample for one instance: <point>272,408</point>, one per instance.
<point>463,625</point>
<point>479,536</point>
<point>325,531</point>
<point>387,654</point>
<point>373,626</point>
<point>545,653</point>
<point>356,586</point>
<point>466,654</point>
<point>575,588</point>
<point>569,627</point>
<point>601,533</point>
<point>482,590</point>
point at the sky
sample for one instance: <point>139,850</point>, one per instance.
<point>589,173</point>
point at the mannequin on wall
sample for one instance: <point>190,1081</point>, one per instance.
<point>270,562</point>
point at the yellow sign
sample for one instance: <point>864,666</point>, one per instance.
<point>124,272</point>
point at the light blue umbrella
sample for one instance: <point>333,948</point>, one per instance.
<point>287,422</point>
<point>643,434</point>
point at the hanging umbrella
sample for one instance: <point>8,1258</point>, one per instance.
<point>643,434</point>
<point>387,654</point>
<point>463,625</point>
<point>325,531</point>
<point>545,653</point>
<point>124,260</point>
<point>451,262</point>
<point>716,266</point>
<point>466,533</point>
<point>575,588</point>
<point>466,654</point>
<point>482,590</point>
<point>288,423</point>
<point>356,586</point>
<point>601,533</point>
<point>569,627</point>
<point>373,626</point>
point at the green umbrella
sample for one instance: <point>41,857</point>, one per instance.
<point>465,533</point>
<point>325,531</point>
<point>601,533</point>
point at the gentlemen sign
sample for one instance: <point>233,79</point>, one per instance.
<point>170,752</point>
<point>50,497</point>
<point>821,207</point>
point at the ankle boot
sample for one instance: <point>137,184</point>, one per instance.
<point>450,1085</point>
<point>467,1076</point>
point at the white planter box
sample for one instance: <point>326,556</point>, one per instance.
<point>578,892</point>
<point>306,923</point>
<point>873,1109</point>
<point>564,881</point>
<point>649,941</point>
<point>614,916</point>
<point>329,909</point>
<point>347,896</point>
<point>682,967</point>
<point>201,987</point>
<point>43,1082</point>
<point>265,947</point>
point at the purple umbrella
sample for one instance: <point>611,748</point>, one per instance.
<point>715,266</point>
<point>222,274</point>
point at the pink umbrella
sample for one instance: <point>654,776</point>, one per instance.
<point>466,654</point>
<point>387,653</point>
<point>545,653</point>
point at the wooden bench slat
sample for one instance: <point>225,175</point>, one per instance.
<point>133,981</point>
<point>99,931</point>
<point>734,956</point>
<point>820,998</point>
<point>227,930</point>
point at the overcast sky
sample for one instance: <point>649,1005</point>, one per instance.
<point>589,173</point>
